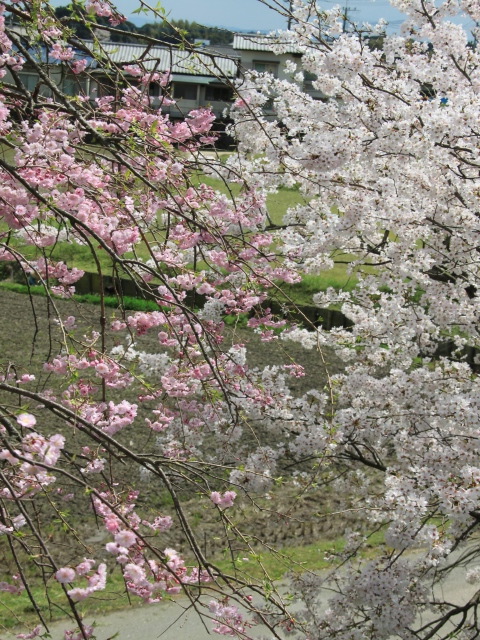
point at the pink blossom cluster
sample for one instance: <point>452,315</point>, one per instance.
<point>87,631</point>
<point>190,388</point>
<point>106,369</point>
<point>58,270</point>
<point>110,417</point>
<point>34,633</point>
<point>96,580</point>
<point>141,322</point>
<point>229,621</point>
<point>16,588</point>
<point>95,464</point>
<point>100,8</point>
<point>29,465</point>
<point>61,52</point>
<point>146,578</point>
<point>4,124</point>
<point>79,66</point>
<point>5,42</point>
<point>223,501</point>
<point>17,522</point>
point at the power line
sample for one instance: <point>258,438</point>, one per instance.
<point>346,10</point>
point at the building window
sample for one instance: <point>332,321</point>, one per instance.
<point>104,86</point>
<point>31,81</point>
<point>154,89</point>
<point>184,91</point>
<point>72,86</point>
<point>218,94</point>
<point>262,66</point>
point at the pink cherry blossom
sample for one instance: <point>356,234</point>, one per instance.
<point>26,420</point>
<point>224,501</point>
<point>65,574</point>
<point>79,66</point>
<point>125,538</point>
<point>34,633</point>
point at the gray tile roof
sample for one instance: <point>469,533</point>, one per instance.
<point>165,58</point>
<point>256,42</point>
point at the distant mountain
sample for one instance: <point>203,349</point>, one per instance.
<point>176,30</point>
<point>171,32</point>
<point>140,21</point>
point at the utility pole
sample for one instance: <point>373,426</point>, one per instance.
<point>346,10</point>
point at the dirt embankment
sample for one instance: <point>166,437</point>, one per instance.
<point>29,336</point>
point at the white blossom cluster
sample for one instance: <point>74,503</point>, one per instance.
<point>388,169</point>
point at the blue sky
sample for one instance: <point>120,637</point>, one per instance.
<point>252,14</point>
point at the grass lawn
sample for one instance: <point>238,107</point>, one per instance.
<point>278,203</point>
<point>18,610</point>
<point>313,557</point>
<point>133,304</point>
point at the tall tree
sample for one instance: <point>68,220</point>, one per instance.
<point>389,168</point>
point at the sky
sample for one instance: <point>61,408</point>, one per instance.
<point>253,15</point>
<point>243,15</point>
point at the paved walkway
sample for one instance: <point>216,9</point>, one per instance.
<point>168,620</point>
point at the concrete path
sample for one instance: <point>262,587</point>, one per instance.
<point>168,620</point>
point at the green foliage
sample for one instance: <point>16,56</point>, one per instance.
<point>302,292</point>
<point>175,31</point>
<point>82,25</point>
<point>313,557</point>
<point>23,288</point>
<point>237,321</point>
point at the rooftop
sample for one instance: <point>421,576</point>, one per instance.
<point>155,58</point>
<point>258,42</point>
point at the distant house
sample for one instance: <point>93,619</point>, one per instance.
<point>198,79</point>
<point>255,53</point>
<point>59,75</point>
